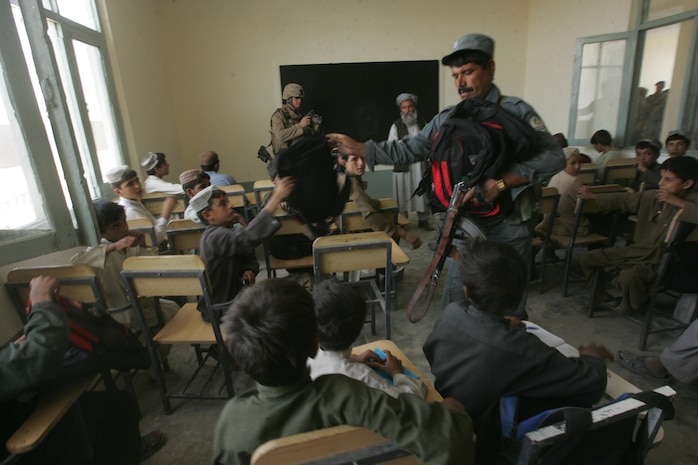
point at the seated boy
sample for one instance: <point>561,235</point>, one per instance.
<point>228,251</point>
<point>128,187</point>
<point>646,154</point>
<point>567,183</point>
<point>116,245</point>
<point>155,164</point>
<point>341,313</point>
<point>271,331</point>
<point>635,265</point>
<point>32,362</point>
<point>355,167</point>
<point>193,182</point>
<point>478,356</point>
<point>677,143</point>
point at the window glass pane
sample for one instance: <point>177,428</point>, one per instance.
<point>74,105</point>
<point>599,88</point>
<point>20,205</point>
<point>26,50</point>
<point>80,11</point>
<point>661,83</point>
<point>94,88</point>
<point>663,8</point>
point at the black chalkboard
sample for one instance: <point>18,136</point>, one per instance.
<point>358,99</point>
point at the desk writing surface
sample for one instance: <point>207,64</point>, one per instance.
<point>399,257</point>
<point>432,394</point>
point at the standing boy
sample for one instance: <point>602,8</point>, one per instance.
<point>271,331</point>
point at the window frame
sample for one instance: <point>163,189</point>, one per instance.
<point>631,73</point>
<point>61,234</point>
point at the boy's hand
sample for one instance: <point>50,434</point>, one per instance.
<point>284,186</point>
<point>365,357</point>
<point>585,192</point>
<point>140,238</point>
<point>391,365</point>
<point>454,404</point>
<point>240,219</point>
<point>129,241</point>
<point>672,199</point>
<point>43,289</point>
<point>249,276</point>
<point>596,350</point>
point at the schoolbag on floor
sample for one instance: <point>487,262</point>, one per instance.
<point>98,342</point>
<point>316,195</point>
<point>475,141</point>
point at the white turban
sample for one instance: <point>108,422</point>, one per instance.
<point>405,96</point>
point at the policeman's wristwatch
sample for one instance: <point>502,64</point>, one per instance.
<point>500,185</point>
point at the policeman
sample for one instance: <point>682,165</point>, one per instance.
<point>288,125</point>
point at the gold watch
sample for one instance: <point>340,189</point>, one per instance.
<point>500,184</point>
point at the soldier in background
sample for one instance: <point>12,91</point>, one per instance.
<point>288,125</point>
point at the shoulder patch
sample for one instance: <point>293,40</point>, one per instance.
<point>537,123</point>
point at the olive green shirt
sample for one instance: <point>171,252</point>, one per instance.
<point>435,434</point>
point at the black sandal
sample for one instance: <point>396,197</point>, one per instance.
<point>151,443</point>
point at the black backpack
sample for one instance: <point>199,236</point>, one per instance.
<point>98,342</point>
<point>316,195</point>
<point>474,142</point>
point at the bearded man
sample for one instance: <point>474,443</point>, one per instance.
<point>406,177</point>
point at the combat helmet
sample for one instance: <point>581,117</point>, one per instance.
<point>292,90</point>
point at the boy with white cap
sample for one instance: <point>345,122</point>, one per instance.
<point>227,251</point>
<point>155,164</point>
<point>128,187</point>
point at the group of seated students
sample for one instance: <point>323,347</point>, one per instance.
<point>295,344</point>
<point>656,194</point>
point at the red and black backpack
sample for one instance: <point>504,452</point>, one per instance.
<point>477,139</point>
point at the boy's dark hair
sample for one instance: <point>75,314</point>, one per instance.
<point>654,146</point>
<point>340,313</point>
<point>128,174</point>
<point>602,137</point>
<point>215,194</point>
<point>469,56</point>
<point>107,213</point>
<point>684,168</point>
<point>561,139</point>
<point>271,331</point>
<point>161,160</point>
<point>494,274</point>
<point>677,136</point>
<point>585,158</point>
<point>190,185</point>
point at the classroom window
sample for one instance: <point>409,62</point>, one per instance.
<point>640,84</point>
<point>54,150</point>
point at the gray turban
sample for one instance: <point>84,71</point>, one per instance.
<point>405,96</point>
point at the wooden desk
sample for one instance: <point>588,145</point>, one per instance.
<point>153,202</point>
<point>615,385</point>
<point>432,394</point>
<point>398,256</point>
<point>51,406</point>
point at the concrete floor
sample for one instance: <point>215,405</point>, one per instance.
<point>190,426</point>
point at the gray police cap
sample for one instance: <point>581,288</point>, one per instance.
<point>473,41</point>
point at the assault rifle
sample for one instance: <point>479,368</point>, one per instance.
<point>452,223</point>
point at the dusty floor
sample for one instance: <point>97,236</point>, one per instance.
<point>190,426</point>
